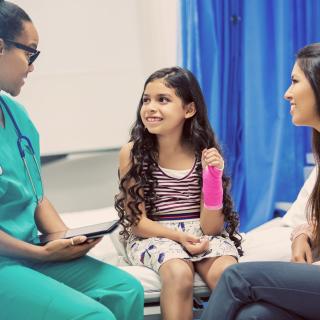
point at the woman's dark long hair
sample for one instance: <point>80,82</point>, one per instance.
<point>308,59</point>
<point>197,132</point>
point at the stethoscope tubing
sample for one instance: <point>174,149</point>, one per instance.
<point>21,137</point>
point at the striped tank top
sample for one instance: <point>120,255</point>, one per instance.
<point>176,198</point>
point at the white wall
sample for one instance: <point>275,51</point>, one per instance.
<point>95,57</point>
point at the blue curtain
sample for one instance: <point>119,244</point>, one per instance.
<point>242,52</point>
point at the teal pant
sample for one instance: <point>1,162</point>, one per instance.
<point>79,289</point>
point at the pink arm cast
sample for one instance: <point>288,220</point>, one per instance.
<point>212,188</point>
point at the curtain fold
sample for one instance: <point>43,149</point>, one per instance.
<point>242,53</point>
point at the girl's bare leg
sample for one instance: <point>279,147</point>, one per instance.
<point>211,269</point>
<point>176,297</point>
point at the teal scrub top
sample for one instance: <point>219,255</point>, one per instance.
<point>17,199</point>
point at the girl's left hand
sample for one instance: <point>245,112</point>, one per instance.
<point>212,157</point>
<point>193,244</point>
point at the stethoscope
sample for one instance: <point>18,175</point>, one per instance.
<point>21,139</point>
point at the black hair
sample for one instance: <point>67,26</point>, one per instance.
<point>197,133</point>
<point>11,20</point>
<point>308,59</point>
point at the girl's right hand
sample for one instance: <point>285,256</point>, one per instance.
<point>68,249</point>
<point>301,250</point>
<point>194,245</point>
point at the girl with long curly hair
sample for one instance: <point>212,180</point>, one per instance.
<point>174,202</point>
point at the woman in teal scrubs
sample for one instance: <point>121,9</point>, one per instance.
<point>56,281</point>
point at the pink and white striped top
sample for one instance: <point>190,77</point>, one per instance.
<point>176,198</point>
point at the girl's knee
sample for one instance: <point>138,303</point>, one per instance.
<point>226,262</point>
<point>220,267</point>
<point>178,275</point>
<point>230,272</point>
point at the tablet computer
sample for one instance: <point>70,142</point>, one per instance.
<point>91,231</point>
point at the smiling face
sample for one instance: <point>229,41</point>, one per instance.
<point>302,100</point>
<point>14,66</point>
<point>162,111</point>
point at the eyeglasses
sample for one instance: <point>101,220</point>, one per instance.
<point>33,53</point>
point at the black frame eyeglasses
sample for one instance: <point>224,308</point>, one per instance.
<point>34,52</point>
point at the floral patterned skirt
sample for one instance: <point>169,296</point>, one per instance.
<point>153,252</point>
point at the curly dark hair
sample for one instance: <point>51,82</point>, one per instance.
<point>197,132</point>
